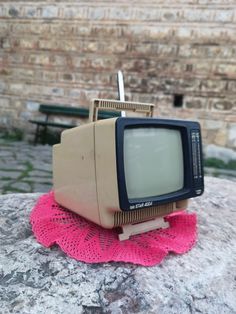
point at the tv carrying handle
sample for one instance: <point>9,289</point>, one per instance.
<point>119,105</point>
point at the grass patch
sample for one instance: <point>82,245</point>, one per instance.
<point>7,179</point>
<point>12,135</point>
<point>220,164</point>
<point>29,167</point>
<point>12,190</point>
<point>232,164</point>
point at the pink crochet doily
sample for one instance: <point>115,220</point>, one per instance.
<point>88,242</point>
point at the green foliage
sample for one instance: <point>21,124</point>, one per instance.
<point>12,135</point>
<point>214,163</point>
<point>232,164</point>
<point>220,164</point>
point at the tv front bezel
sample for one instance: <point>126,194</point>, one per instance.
<point>189,187</point>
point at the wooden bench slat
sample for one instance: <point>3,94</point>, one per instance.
<point>73,111</point>
<point>55,124</point>
<point>50,110</point>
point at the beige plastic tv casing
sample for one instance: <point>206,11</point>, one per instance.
<point>85,176</point>
<point>85,182</point>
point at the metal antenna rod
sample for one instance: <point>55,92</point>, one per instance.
<point>121,89</point>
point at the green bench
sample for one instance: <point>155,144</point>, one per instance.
<point>53,110</point>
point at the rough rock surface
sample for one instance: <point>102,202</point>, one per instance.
<point>34,279</point>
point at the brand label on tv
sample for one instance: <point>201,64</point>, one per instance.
<point>140,205</point>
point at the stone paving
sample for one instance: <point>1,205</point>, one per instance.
<point>24,167</point>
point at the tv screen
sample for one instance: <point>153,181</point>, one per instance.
<point>153,161</point>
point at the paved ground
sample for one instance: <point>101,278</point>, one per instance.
<point>25,168</point>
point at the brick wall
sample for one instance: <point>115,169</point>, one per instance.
<point>68,52</point>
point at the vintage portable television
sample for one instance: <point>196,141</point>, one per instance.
<point>122,171</point>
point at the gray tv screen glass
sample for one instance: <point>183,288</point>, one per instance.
<point>153,161</point>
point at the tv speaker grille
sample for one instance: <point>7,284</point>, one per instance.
<point>135,216</point>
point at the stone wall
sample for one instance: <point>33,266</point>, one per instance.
<point>67,52</point>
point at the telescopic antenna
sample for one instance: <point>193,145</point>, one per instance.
<point>121,89</point>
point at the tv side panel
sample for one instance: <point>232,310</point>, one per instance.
<point>74,172</point>
<point>106,171</point>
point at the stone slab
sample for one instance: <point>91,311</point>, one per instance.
<point>18,166</point>
<point>40,174</point>
<point>9,174</point>
<point>34,279</point>
<point>20,185</point>
<point>43,188</point>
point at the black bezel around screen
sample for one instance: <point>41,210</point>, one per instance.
<point>190,187</point>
